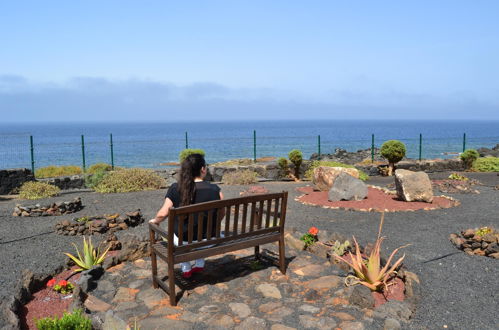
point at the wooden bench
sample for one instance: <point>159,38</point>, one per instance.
<point>249,222</point>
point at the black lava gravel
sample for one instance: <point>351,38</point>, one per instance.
<point>458,291</point>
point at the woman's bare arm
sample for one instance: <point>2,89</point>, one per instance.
<point>163,211</point>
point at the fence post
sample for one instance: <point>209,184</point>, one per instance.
<point>32,154</point>
<point>112,150</point>
<point>420,145</point>
<point>319,145</point>
<point>372,149</point>
<point>186,141</point>
<point>254,146</point>
<point>464,142</point>
<point>83,151</point>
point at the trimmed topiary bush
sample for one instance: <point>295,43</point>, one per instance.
<point>486,164</point>
<point>37,190</point>
<point>54,171</point>
<point>128,180</point>
<point>316,163</point>
<point>393,151</point>
<point>240,177</point>
<point>296,157</point>
<point>186,152</point>
<point>468,157</point>
<point>283,166</point>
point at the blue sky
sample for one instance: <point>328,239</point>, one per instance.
<point>172,60</point>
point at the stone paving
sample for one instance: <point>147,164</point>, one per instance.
<point>237,292</point>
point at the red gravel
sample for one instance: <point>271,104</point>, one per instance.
<point>377,200</point>
<point>46,302</point>
<point>395,291</point>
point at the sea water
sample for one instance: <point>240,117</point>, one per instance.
<point>152,145</point>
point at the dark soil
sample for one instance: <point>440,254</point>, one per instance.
<point>458,290</point>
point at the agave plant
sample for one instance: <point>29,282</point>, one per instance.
<point>368,270</point>
<point>90,257</point>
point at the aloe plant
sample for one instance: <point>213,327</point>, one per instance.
<point>90,257</point>
<point>368,270</point>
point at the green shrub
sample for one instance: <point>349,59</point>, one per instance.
<point>296,157</point>
<point>487,164</point>
<point>99,167</point>
<point>93,180</point>
<point>54,171</point>
<point>240,177</point>
<point>69,321</point>
<point>469,156</point>
<point>128,180</point>
<point>186,152</point>
<point>316,163</point>
<point>37,190</point>
<point>457,176</point>
<point>393,151</point>
<point>283,166</point>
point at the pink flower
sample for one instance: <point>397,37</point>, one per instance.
<point>51,283</point>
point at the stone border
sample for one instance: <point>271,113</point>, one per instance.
<point>134,247</point>
<point>99,224</point>
<point>57,209</point>
<point>472,244</point>
<point>387,191</point>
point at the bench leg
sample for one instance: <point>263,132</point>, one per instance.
<point>171,285</point>
<point>154,266</point>
<point>282,256</point>
<point>257,252</point>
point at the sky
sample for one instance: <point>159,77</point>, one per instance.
<point>239,60</point>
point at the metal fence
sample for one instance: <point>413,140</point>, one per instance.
<point>32,152</point>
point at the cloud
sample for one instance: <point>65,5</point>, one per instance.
<point>101,99</point>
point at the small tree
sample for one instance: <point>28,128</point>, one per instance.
<point>469,156</point>
<point>186,152</point>
<point>393,151</point>
<point>283,166</point>
<point>296,157</point>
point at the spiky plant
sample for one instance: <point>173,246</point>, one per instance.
<point>90,257</point>
<point>368,270</point>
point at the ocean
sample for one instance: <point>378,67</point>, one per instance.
<point>152,144</point>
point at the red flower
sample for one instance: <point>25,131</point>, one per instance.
<point>63,283</point>
<point>313,231</point>
<point>51,283</point>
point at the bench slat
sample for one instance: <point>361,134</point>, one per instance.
<point>252,216</point>
<point>190,230</point>
<point>180,230</point>
<point>236,219</point>
<point>227,220</point>
<point>210,224</point>
<point>276,212</point>
<point>230,246</point>
<point>221,240</point>
<point>245,213</point>
<point>225,202</point>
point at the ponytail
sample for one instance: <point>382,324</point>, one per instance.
<point>189,169</point>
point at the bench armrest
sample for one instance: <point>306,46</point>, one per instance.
<point>154,228</point>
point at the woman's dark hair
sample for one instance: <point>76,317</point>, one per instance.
<point>189,169</point>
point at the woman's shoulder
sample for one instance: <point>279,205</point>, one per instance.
<point>211,186</point>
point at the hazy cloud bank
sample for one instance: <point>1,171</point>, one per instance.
<point>100,99</point>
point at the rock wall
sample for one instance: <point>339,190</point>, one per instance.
<point>66,182</point>
<point>14,178</point>
<point>38,210</point>
<point>428,166</point>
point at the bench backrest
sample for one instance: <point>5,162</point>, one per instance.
<point>244,217</point>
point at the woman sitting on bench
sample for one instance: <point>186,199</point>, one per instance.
<point>191,189</point>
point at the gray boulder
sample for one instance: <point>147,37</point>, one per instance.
<point>347,188</point>
<point>413,186</point>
